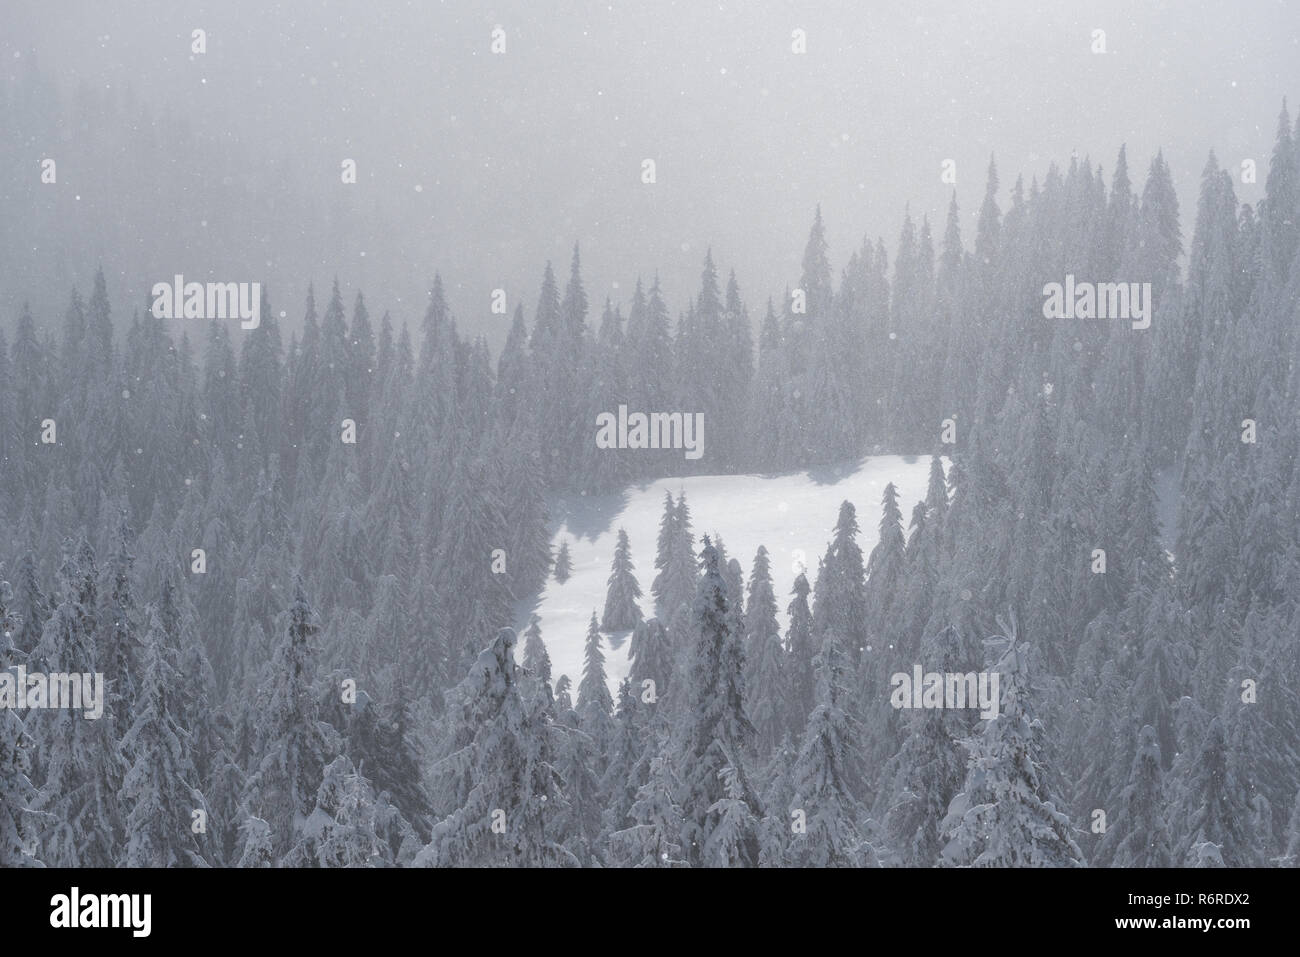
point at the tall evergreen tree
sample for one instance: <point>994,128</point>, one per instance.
<point>79,803</point>
<point>160,785</point>
<point>30,608</point>
<point>800,654</point>
<point>717,736</point>
<point>593,690</point>
<point>930,768</point>
<point>293,744</point>
<point>1139,836</point>
<point>663,554</point>
<point>842,608</point>
<point>563,563</point>
<point>621,608</point>
<point>679,575</point>
<point>827,773</point>
<point>342,829</point>
<point>766,662</point>
<point>562,700</point>
<point>497,789</point>
<point>651,654</point>
<point>1215,804</point>
<point>16,790</point>
<point>653,840</point>
<point>885,567</point>
<point>536,660</point>
<point>1005,815</point>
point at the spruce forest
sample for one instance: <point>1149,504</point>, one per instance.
<point>308,557</point>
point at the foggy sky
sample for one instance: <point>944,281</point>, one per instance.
<point>516,156</point>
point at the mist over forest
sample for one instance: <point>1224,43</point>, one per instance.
<point>649,436</point>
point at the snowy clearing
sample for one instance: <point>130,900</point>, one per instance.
<point>792,514</point>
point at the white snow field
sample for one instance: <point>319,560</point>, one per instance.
<point>791,514</point>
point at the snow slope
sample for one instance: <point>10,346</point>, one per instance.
<point>791,514</point>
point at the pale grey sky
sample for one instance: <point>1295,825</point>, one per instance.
<point>516,156</point>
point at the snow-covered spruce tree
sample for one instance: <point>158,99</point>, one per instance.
<point>116,637</point>
<point>563,563</point>
<point>593,690</point>
<point>936,490</point>
<point>30,608</point>
<point>218,778</point>
<point>911,606</point>
<point>341,830</point>
<point>10,653</point>
<point>1138,834</point>
<point>1191,722</point>
<point>775,831</point>
<point>16,790</point>
<point>625,771</point>
<point>1157,686</point>
<point>800,654</point>
<point>78,819</point>
<point>681,573</point>
<point>1003,816</point>
<point>828,775</point>
<point>16,793</point>
<point>361,379</point>
<point>223,791</point>
<point>293,744</point>
<point>654,840</point>
<point>734,576</point>
<point>256,846</point>
<point>578,742</point>
<point>160,787</point>
<point>1215,804</point>
<point>663,553</point>
<point>496,789</point>
<point>563,702</point>
<point>651,653</point>
<point>842,609</point>
<point>766,663</point>
<point>1100,782</point>
<point>621,608</point>
<point>1248,733</point>
<point>735,620</point>
<point>381,743</point>
<point>930,767</point>
<point>536,660</point>
<point>886,563</point>
<point>735,837</point>
<point>716,733</point>
<point>1277,663</point>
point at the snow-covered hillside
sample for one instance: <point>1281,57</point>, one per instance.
<point>791,514</point>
